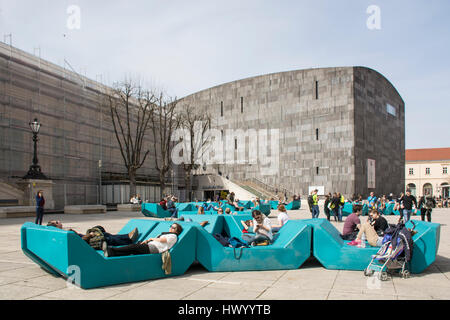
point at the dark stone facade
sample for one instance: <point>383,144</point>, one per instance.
<point>330,120</point>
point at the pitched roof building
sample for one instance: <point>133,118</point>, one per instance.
<point>427,171</point>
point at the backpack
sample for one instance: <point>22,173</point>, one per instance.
<point>96,241</point>
<point>310,200</point>
<point>237,243</point>
<point>223,240</point>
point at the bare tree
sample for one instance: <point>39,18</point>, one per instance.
<point>164,121</point>
<point>131,109</point>
<point>195,123</point>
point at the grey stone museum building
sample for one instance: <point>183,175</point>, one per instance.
<point>340,129</point>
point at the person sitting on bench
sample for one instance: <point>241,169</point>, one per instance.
<point>262,229</point>
<point>373,229</point>
<point>352,224</point>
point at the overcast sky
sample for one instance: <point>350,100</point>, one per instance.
<point>187,46</point>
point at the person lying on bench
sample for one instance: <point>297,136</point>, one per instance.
<point>98,234</point>
<point>261,227</point>
<point>164,242</point>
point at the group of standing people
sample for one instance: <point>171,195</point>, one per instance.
<point>405,204</point>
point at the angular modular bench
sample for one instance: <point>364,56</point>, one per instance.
<point>154,210</point>
<point>348,209</point>
<point>290,249</point>
<point>334,253</point>
<point>65,254</point>
<point>293,205</point>
<point>426,244</point>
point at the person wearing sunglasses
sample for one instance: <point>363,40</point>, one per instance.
<point>164,242</point>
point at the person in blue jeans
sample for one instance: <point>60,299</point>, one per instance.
<point>110,239</point>
<point>40,202</point>
<point>315,208</point>
<point>407,200</point>
<point>261,227</point>
<point>171,207</point>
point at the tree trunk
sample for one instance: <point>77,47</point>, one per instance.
<point>162,183</point>
<point>187,180</point>
<point>132,177</point>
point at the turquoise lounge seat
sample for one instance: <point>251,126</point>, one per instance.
<point>185,207</point>
<point>348,209</point>
<point>333,252</point>
<point>426,244</point>
<point>290,249</point>
<point>264,208</point>
<point>154,210</point>
<point>247,204</point>
<point>215,222</point>
<point>293,205</point>
<point>66,254</point>
<point>388,210</point>
<point>273,204</point>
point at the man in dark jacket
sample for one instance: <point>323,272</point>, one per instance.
<point>407,200</point>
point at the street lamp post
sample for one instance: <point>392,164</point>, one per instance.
<point>34,171</point>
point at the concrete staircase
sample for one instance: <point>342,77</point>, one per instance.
<point>10,195</point>
<point>256,189</point>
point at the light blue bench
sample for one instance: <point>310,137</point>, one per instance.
<point>293,205</point>
<point>290,249</point>
<point>65,254</point>
<point>334,253</point>
<point>154,210</point>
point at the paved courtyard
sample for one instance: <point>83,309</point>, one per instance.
<point>21,279</point>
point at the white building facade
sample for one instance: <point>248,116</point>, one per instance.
<point>427,171</point>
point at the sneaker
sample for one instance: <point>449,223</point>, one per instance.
<point>354,242</point>
<point>133,235</point>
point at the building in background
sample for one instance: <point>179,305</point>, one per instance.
<point>75,137</point>
<point>427,171</point>
<point>339,130</point>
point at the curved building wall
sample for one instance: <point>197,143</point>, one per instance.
<point>319,140</point>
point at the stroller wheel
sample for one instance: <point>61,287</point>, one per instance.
<point>383,276</point>
<point>368,272</point>
<point>406,274</point>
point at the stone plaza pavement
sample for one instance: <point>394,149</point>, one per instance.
<point>21,279</point>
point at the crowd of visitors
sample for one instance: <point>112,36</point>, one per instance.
<point>260,230</point>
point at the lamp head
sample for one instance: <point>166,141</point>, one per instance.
<point>35,126</point>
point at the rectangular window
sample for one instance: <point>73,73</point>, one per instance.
<point>221,108</point>
<point>235,144</point>
<point>427,170</point>
<point>317,134</point>
<point>391,110</point>
<point>242,104</point>
<point>317,89</point>
<point>411,171</point>
<point>444,170</point>
<point>317,170</point>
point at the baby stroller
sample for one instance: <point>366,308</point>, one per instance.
<point>394,254</point>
